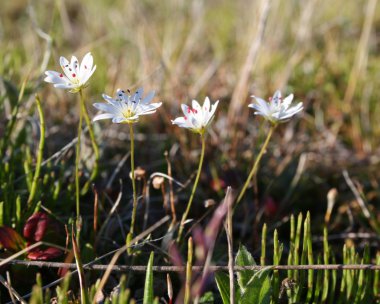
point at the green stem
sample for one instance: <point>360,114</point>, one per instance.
<point>189,265</point>
<point>40,152</point>
<point>256,164</point>
<point>184,217</point>
<point>133,178</point>
<point>94,144</point>
<point>77,160</point>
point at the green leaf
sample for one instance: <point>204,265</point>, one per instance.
<point>207,298</point>
<point>244,258</point>
<point>223,283</point>
<point>148,288</point>
<point>258,289</point>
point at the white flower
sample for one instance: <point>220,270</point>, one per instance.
<point>197,118</point>
<point>126,108</point>
<point>74,76</point>
<point>278,109</point>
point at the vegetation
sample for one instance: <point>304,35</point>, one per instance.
<point>150,212</point>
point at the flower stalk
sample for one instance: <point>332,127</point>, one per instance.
<point>134,206</point>
<point>94,144</point>
<point>184,217</point>
<point>256,163</point>
<point>77,161</point>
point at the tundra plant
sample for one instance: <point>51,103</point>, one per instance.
<point>276,111</point>
<point>75,78</point>
<point>197,119</point>
<point>127,108</point>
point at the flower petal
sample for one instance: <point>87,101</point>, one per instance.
<point>103,116</point>
<point>107,108</point>
<point>148,98</point>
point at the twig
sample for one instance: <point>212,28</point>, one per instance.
<point>117,170</point>
<point>355,191</point>
<point>229,234</point>
<point>12,291</point>
<point>118,253</point>
<point>143,268</point>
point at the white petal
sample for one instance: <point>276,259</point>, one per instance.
<point>196,106</point>
<point>55,77</point>
<point>106,108</point>
<point>86,65</point>
<point>148,98</point>
<point>185,109</point>
<point>138,95</point>
<point>65,64</point>
<point>287,101</point>
<point>213,108</point>
<point>261,105</point>
<point>87,75</point>
<point>63,86</point>
<point>103,116</point>
<point>109,99</point>
<point>206,104</point>
<point>118,119</point>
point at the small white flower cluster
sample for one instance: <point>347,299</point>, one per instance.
<point>278,109</point>
<point>75,76</point>
<point>197,118</point>
<point>127,107</point>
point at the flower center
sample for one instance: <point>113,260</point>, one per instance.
<point>127,113</point>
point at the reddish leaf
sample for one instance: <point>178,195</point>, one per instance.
<point>271,206</point>
<point>10,239</point>
<point>35,226</point>
<point>38,226</point>
<point>45,254</point>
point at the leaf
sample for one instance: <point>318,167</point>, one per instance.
<point>148,288</point>
<point>40,226</point>
<point>207,298</point>
<point>244,258</point>
<point>258,289</point>
<point>45,254</point>
<point>223,283</point>
<point>10,239</point>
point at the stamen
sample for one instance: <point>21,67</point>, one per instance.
<point>73,75</point>
<point>60,75</point>
<point>185,118</point>
<point>85,67</point>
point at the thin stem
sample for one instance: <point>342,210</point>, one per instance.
<point>189,271</point>
<point>40,152</point>
<point>77,160</point>
<point>256,164</point>
<point>133,178</point>
<point>94,144</point>
<point>184,217</point>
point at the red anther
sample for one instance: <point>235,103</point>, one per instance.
<point>85,67</point>
<point>73,75</point>
<point>60,75</point>
<point>189,110</point>
<point>185,118</point>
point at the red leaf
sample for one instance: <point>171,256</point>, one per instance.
<point>35,226</point>
<point>10,239</point>
<point>271,206</point>
<point>45,254</point>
